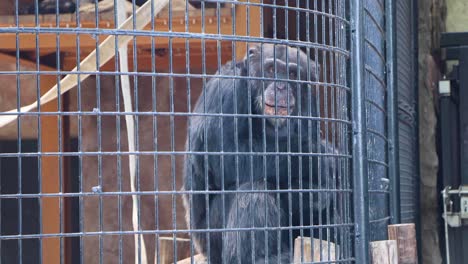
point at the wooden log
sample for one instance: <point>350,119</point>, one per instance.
<point>166,252</point>
<point>405,236</point>
<point>322,250</point>
<point>384,252</point>
<point>197,259</point>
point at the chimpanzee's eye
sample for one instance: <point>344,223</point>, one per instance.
<point>271,70</point>
<point>292,74</point>
<point>293,71</point>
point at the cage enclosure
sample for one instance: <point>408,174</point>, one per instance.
<point>257,131</point>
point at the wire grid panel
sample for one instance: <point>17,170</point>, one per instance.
<point>407,105</point>
<point>205,131</point>
<point>377,114</point>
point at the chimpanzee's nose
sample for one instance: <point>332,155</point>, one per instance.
<point>281,85</point>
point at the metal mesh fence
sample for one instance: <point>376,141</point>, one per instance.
<point>377,116</point>
<point>190,131</point>
<point>407,111</point>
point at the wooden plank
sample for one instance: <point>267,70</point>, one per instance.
<point>105,18</point>
<point>322,250</point>
<point>248,23</point>
<point>68,40</point>
<point>197,259</point>
<point>405,236</point>
<point>166,250</point>
<point>384,252</point>
<point>50,175</point>
<point>144,57</point>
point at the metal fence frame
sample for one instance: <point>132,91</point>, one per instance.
<point>360,14</point>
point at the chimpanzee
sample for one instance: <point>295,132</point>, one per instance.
<point>252,160</point>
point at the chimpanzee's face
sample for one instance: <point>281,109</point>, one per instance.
<point>281,89</point>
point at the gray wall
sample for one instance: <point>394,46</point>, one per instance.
<point>457,18</point>
<point>431,23</point>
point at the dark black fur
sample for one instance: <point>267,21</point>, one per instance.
<point>254,209</point>
<point>208,3</point>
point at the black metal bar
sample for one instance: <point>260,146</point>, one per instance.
<point>415,35</point>
<point>448,139</point>
<point>392,112</point>
<point>360,175</point>
<point>463,112</point>
<point>453,39</point>
<point>463,127</point>
<point>449,161</point>
<point>452,53</point>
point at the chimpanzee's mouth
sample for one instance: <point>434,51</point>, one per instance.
<point>278,109</point>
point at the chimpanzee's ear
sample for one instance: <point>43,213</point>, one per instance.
<point>252,51</point>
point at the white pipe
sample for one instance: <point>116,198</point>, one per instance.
<point>130,123</point>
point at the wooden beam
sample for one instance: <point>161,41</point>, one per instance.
<point>384,252</point>
<point>50,174</point>
<point>405,236</point>
<point>47,42</point>
<point>105,18</point>
<point>144,57</point>
<point>248,23</point>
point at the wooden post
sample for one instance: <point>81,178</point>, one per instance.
<point>384,252</point>
<point>50,174</point>
<point>166,249</point>
<point>322,250</point>
<point>405,236</point>
<point>254,24</point>
<point>50,221</point>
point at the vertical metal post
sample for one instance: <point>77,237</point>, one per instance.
<point>415,33</point>
<point>455,170</point>
<point>450,168</point>
<point>360,175</point>
<point>392,112</point>
<point>463,109</point>
<point>463,115</point>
